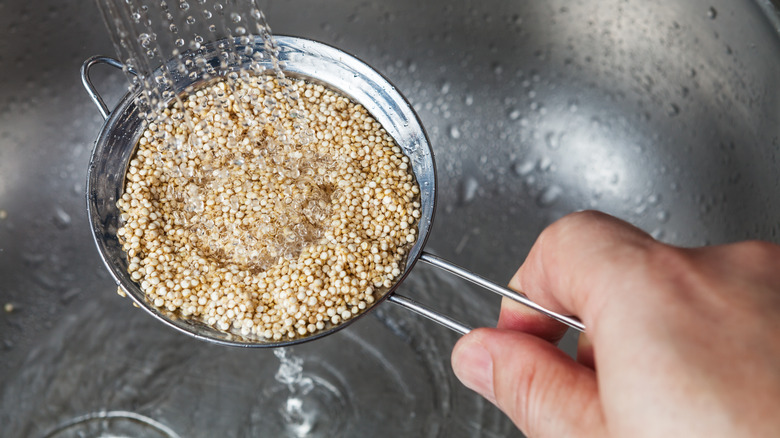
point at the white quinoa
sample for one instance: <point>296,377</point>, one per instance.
<point>267,214</point>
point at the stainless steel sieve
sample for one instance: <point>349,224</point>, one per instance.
<point>314,62</point>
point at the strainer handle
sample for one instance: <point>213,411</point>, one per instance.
<point>87,82</point>
<point>429,313</point>
<point>500,290</point>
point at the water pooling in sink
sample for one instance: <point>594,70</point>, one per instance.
<point>342,384</point>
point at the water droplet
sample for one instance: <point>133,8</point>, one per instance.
<point>545,164</point>
<point>549,195</point>
<point>662,216</point>
<point>552,140</point>
<point>712,13</point>
<point>654,199</point>
<point>455,132</point>
<point>573,107</point>
<point>61,218</point>
<point>468,100</point>
<point>514,114</point>
<point>673,110</point>
<point>145,39</point>
<point>235,17</point>
<point>657,234</point>
<point>470,187</point>
<point>445,88</point>
<point>523,168</point>
<point>69,295</point>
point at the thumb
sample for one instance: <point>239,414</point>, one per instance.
<point>539,387</point>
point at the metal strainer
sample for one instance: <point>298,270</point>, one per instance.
<point>314,62</point>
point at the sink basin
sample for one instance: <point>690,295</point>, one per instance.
<point>663,114</point>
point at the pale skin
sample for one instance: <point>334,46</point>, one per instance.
<point>680,342</point>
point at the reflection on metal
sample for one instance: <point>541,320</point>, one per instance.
<point>112,424</point>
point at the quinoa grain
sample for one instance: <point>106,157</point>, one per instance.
<point>267,215</point>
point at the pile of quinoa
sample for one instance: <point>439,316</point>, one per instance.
<point>269,209</point>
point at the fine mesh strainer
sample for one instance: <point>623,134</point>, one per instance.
<point>314,62</point>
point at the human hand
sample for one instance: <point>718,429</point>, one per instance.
<point>680,342</point>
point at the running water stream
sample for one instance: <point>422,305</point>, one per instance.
<point>153,37</point>
<point>162,42</point>
<point>310,405</point>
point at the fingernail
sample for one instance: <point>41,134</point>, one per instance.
<point>473,366</point>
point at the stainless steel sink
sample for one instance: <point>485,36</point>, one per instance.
<point>662,113</point>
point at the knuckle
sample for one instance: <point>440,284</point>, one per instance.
<point>671,264</point>
<point>758,249</point>
<point>573,223</point>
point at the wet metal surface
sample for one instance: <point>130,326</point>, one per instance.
<point>662,113</point>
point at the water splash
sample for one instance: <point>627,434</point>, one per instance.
<point>296,416</point>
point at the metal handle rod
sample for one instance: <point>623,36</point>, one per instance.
<point>87,82</point>
<point>434,316</point>
<point>500,290</point>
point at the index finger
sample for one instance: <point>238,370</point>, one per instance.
<point>576,261</point>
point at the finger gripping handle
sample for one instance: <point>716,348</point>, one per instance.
<point>500,290</point>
